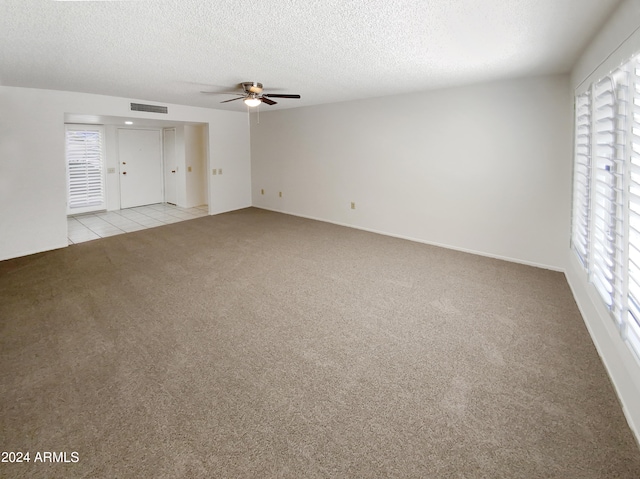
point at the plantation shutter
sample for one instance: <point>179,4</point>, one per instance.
<point>582,177</point>
<point>85,169</point>
<point>605,223</point>
<point>604,193</point>
<point>632,316</point>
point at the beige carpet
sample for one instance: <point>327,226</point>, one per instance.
<point>257,345</point>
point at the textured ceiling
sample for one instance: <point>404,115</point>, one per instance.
<point>325,50</point>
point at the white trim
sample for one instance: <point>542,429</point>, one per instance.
<point>614,60</point>
<point>617,358</point>
<point>616,42</point>
<point>419,240</point>
<point>29,252</point>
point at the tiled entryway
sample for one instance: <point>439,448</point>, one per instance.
<point>90,226</point>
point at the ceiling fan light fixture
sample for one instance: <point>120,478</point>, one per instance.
<point>252,101</point>
<point>253,94</point>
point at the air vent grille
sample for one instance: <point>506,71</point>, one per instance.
<point>150,108</point>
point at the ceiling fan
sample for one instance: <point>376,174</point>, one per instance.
<point>253,95</point>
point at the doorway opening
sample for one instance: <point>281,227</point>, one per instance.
<point>153,172</point>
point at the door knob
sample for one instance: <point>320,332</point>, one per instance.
<point>124,172</point>
<point>173,171</point>
<point>124,162</point>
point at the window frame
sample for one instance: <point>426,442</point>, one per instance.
<point>612,198</point>
<point>88,206</point>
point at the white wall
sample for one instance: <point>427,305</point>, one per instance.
<point>616,42</point>
<point>112,180</point>
<point>32,166</point>
<point>181,167</point>
<point>195,158</point>
<point>483,168</point>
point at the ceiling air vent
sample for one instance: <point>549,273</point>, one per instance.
<point>151,108</point>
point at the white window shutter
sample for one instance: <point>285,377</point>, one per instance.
<point>582,178</point>
<point>620,234</point>
<point>603,237</point>
<point>85,169</point>
<point>632,317</point>
<point>605,228</point>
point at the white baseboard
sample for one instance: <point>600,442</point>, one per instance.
<point>420,240</point>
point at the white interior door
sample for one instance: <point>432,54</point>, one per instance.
<point>140,156</point>
<point>170,166</point>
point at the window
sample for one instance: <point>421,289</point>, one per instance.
<point>632,320</point>
<point>582,177</point>
<point>605,230</point>
<point>85,169</point>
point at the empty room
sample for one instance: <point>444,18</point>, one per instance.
<point>305,239</point>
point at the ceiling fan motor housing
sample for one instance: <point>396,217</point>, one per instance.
<point>253,95</point>
<point>252,87</point>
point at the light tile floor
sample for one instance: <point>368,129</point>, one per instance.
<point>90,226</point>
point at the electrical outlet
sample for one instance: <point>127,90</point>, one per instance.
<point>262,192</point>
<point>219,171</point>
<point>353,205</point>
<point>280,194</point>
<point>111,170</point>
<point>214,172</point>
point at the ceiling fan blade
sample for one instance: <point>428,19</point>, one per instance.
<point>280,95</point>
<point>233,99</point>
<point>220,92</point>
<point>268,101</point>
